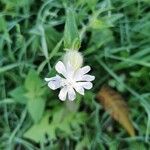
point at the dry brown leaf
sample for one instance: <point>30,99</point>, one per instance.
<point>114,103</point>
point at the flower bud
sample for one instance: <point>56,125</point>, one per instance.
<point>73,57</point>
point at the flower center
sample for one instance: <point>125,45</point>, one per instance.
<point>68,82</point>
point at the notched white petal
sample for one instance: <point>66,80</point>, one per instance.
<point>60,68</point>
<point>86,85</point>
<point>79,89</point>
<point>54,82</point>
<point>71,94</point>
<point>88,77</point>
<point>85,69</point>
<point>70,71</point>
<point>81,72</point>
<point>54,85</point>
<point>63,94</point>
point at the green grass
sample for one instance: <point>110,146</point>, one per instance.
<point>115,42</point>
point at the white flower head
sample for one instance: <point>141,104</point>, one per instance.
<point>72,77</point>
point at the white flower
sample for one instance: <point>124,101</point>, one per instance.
<point>72,79</point>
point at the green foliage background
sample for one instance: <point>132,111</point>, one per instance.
<point>115,39</point>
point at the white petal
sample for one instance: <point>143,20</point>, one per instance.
<point>86,85</point>
<point>80,72</point>
<point>54,85</point>
<point>69,70</point>
<point>60,68</point>
<point>88,78</point>
<point>57,77</point>
<point>71,94</point>
<point>85,69</point>
<point>63,94</point>
<point>47,79</point>
<point>54,82</point>
<point>79,89</point>
<point>85,77</point>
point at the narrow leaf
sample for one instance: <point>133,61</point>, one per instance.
<point>9,67</point>
<point>114,103</point>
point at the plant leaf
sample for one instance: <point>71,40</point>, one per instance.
<point>36,108</point>
<point>67,123</point>
<point>33,83</point>
<point>35,95</point>
<point>18,95</point>
<point>114,103</point>
<point>83,144</point>
<point>37,131</point>
<point>71,35</point>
